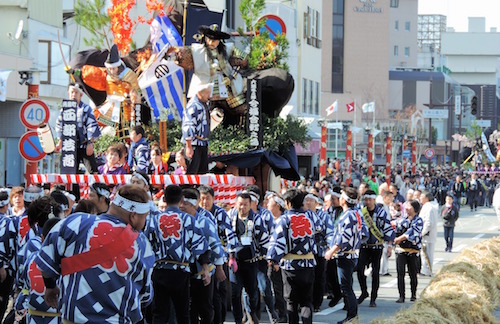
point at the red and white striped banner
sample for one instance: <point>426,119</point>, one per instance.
<point>226,186</point>
<point>288,183</point>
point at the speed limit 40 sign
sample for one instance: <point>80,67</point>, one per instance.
<point>33,113</point>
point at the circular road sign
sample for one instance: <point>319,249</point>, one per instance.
<point>33,113</point>
<point>30,147</point>
<point>274,25</point>
<point>429,153</point>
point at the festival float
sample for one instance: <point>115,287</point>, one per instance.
<point>251,86</point>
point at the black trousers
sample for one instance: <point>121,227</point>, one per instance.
<point>279,303</point>
<point>202,306</point>
<point>409,260</point>
<point>220,295</point>
<point>5,290</point>
<point>332,279</point>
<point>367,256</point>
<point>298,292</point>
<point>199,162</point>
<point>89,161</point>
<point>245,277</point>
<point>170,286</point>
<point>319,281</point>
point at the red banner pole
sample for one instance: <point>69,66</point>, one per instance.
<point>322,153</point>
<point>414,156</point>
<point>31,167</point>
<point>370,154</point>
<point>405,147</point>
<point>348,156</point>
<point>388,156</point>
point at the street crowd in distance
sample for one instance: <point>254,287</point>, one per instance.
<point>120,256</point>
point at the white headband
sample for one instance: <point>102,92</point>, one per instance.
<point>192,201</point>
<point>335,194</point>
<point>369,196</point>
<point>76,86</point>
<point>310,195</point>
<point>349,199</point>
<point>138,175</point>
<point>4,203</point>
<point>253,196</point>
<point>70,196</point>
<point>278,200</point>
<point>101,191</point>
<point>130,205</point>
<point>32,196</point>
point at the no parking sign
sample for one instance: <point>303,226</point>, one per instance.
<point>274,25</point>
<point>30,147</point>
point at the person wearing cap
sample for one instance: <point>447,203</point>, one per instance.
<point>112,278</point>
<point>243,260</point>
<point>312,203</point>
<point>196,130</point>
<point>177,241</point>
<point>334,210</point>
<point>276,205</point>
<point>7,252</point>
<point>120,85</point>
<point>87,130</point>
<point>202,307</point>
<point>228,240</point>
<point>263,279</point>
<point>99,194</point>
<point>408,244</point>
<point>381,233</point>
<point>292,249</point>
<point>39,212</point>
<point>344,246</point>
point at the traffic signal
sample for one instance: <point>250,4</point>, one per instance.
<point>473,105</point>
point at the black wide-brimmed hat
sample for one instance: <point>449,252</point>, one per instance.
<point>213,31</point>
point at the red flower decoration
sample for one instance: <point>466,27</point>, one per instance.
<point>300,225</point>
<point>24,227</point>
<point>104,233</point>
<point>170,225</point>
<point>36,279</point>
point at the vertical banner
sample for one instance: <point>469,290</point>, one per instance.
<point>388,157</point>
<point>163,135</point>
<point>322,153</point>
<point>69,163</point>
<point>254,118</point>
<point>136,115</point>
<point>370,154</point>
<point>414,156</point>
<point>405,148</point>
<point>348,156</point>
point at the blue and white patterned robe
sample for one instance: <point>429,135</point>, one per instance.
<point>294,234</point>
<point>348,233</point>
<point>225,231</point>
<point>175,237</point>
<point>255,229</point>
<point>110,292</point>
<point>412,230</point>
<point>205,221</point>
<point>382,221</point>
<point>195,122</point>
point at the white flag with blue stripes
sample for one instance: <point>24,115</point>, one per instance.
<point>162,84</point>
<point>164,33</point>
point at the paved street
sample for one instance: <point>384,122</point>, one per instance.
<point>471,229</point>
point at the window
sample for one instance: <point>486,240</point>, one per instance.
<point>396,50</point>
<point>396,25</point>
<point>316,98</point>
<point>338,47</point>
<point>310,98</point>
<point>51,62</point>
<point>312,27</point>
<point>407,26</point>
<point>304,95</point>
<point>394,3</point>
<point>230,19</point>
<point>407,51</point>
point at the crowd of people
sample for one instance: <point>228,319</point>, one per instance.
<point>121,256</point>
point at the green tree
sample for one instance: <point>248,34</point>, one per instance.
<point>250,12</point>
<point>92,15</point>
